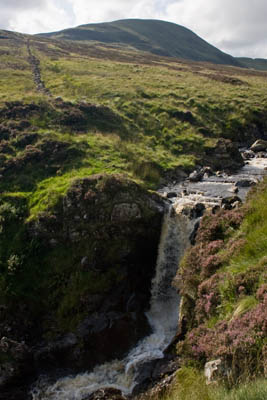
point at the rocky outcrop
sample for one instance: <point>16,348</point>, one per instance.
<point>259,145</point>
<point>94,254</point>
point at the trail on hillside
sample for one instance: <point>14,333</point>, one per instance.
<point>35,64</point>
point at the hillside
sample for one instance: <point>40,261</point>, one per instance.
<point>255,63</point>
<point>88,132</point>
<point>157,37</point>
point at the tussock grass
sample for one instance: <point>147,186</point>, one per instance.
<point>189,384</point>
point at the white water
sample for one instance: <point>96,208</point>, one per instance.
<point>162,316</point>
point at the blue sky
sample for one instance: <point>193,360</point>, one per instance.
<point>237,27</point>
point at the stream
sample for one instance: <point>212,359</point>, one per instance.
<point>177,227</point>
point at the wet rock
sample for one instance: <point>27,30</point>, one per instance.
<point>228,203</point>
<point>106,394</point>
<point>156,376</point>
<point>171,195</point>
<point>219,174</point>
<point>248,154</point>
<point>84,262</point>
<point>194,233</point>
<point>196,176</point>
<point>243,183</point>
<point>261,154</point>
<point>234,189</point>
<point>207,171</point>
<point>259,145</point>
<point>198,210</point>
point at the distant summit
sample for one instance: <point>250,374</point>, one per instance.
<point>154,36</point>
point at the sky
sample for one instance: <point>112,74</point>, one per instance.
<point>237,27</point>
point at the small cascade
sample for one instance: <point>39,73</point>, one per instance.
<point>162,316</point>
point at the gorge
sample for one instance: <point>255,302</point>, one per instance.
<point>178,226</point>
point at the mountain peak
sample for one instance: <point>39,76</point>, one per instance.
<point>154,36</point>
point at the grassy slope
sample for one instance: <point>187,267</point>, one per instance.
<point>225,288</point>
<point>157,37</point>
<point>149,97</point>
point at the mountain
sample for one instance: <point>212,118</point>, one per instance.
<point>157,37</point>
<point>255,63</point>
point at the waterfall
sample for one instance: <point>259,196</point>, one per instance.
<point>162,316</point>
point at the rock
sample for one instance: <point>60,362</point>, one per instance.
<point>261,154</point>
<point>224,156</point>
<point>125,212</point>
<point>248,154</point>
<point>243,183</point>
<point>259,145</point>
<point>15,362</point>
<point>196,176</point>
<point>234,189</point>
<point>212,370</point>
<point>228,203</point>
<point>107,230</point>
<point>106,394</point>
<point>171,195</point>
<point>84,262</point>
<point>194,233</point>
<point>207,171</point>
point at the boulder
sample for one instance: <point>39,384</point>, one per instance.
<point>171,195</point>
<point>213,370</point>
<point>259,145</point>
<point>228,203</point>
<point>247,154</point>
<point>196,176</point>
<point>243,183</point>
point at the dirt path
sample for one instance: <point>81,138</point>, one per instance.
<point>35,64</point>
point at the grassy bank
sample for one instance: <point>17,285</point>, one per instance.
<point>189,384</point>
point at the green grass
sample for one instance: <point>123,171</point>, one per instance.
<point>189,384</point>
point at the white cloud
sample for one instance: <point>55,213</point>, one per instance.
<point>31,16</point>
<point>237,27</point>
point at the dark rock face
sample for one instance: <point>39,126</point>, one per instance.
<point>91,266</point>
<point>96,253</point>
<point>15,360</point>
